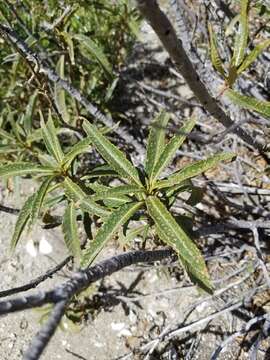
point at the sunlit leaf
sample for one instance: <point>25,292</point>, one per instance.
<point>108,230</point>
<point>28,116</point>
<point>38,200</point>
<point>115,158</point>
<point>77,149</point>
<point>59,92</point>
<point>252,56</point>
<point>170,149</point>
<point>241,37</point>
<point>50,138</point>
<point>70,230</point>
<point>24,168</point>
<point>156,141</point>
<point>247,102</point>
<point>214,53</point>
<point>194,169</point>
<point>172,234</point>
<point>22,221</point>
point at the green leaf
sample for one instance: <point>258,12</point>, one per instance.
<point>70,230</point>
<point>156,141</point>
<point>95,51</point>
<point>50,138</point>
<point>253,55</point>
<point>172,234</point>
<point>107,231</point>
<point>4,134</point>
<point>117,190</point>
<point>69,42</point>
<point>241,37</point>
<point>115,158</point>
<point>247,102</point>
<point>79,148</point>
<point>75,193</point>
<point>27,117</point>
<point>101,171</point>
<point>38,200</point>
<point>214,53</point>
<point>170,149</point>
<point>24,168</point>
<point>22,221</point>
<point>59,92</point>
<point>194,169</point>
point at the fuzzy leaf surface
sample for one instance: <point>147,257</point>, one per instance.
<point>79,148</point>
<point>24,168</point>
<point>214,53</point>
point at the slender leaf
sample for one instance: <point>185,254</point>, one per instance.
<point>115,158</point>
<point>107,231</point>
<point>241,37</point>
<point>24,168</point>
<point>59,92</point>
<point>38,200</point>
<point>214,53</point>
<point>247,102</point>
<point>70,230</point>
<point>50,138</point>
<point>194,169</point>
<point>172,234</point>
<point>27,117</point>
<point>4,134</point>
<point>252,56</point>
<point>79,148</point>
<point>22,220</point>
<point>95,51</point>
<point>75,193</point>
<point>170,149</point>
<point>156,141</point>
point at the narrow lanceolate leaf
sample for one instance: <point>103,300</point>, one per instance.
<point>170,149</point>
<point>38,200</point>
<point>5,135</point>
<point>172,234</point>
<point>214,53</point>
<point>24,168</point>
<point>108,230</point>
<point>27,117</point>
<point>95,51</point>
<point>252,56</point>
<point>70,230</point>
<point>79,148</point>
<point>115,158</point>
<point>194,169</point>
<point>22,221</point>
<point>247,102</point>
<point>241,37</point>
<point>156,141</point>
<point>117,190</point>
<point>50,138</point>
<point>60,95</point>
<point>75,193</point>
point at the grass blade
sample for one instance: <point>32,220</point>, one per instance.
<point>107,231</point>
<point>115,158</point>
<point>247,102</point>
<point>170,149</point>
<point>70,230</point>
<point>156,141</point>
<point>172,234</point>
<point>194,169</point>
